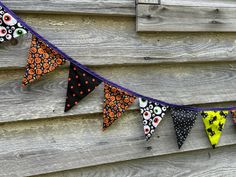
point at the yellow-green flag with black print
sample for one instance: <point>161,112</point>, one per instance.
<point>214,122</point>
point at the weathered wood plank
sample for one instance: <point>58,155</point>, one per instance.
<point>113,41</point>
<point>181,18</point>
<point>148,1</point>
<point>64,143</point>
<point>103,7</point>
<point>39,147</point>
<point>184,84</point>
<point>200,3</point>
<point>211,163</point>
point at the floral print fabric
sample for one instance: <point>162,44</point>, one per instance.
<point>80,84</point>
<point>9,26</point>
<point>183,123</point>
<point>116,102</point>
<point>41,60</point>
<point>152,114</point>
<point>234,116</point>
<point>214,122</point>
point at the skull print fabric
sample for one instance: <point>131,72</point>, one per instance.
<point>214,122</point>
<point>116,102</point>
<point>80,84</point>
<point>183,121</point>
<point>9,26</point>
<point>41,60</point>
<point>152,114</point>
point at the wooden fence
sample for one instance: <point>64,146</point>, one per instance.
<point>179,51</point>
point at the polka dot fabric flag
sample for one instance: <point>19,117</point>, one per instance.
<point>9,27</point>
<point>152,114</point>
<point>116,102</point>
<point>183,123</point>
<point>214,122</point>
<point>234,116</point>
<point>41,60</point>
<point>80,84</point>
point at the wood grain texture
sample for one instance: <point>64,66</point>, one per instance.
<point>148,1</point>
<point>200,3</point>
<point>37,137</point>
<point>183,84</point>
<point>103,7</point>
<point>182,18</point>
<point>206,163</point>
<point>45,146</point>
<point>103,41</point>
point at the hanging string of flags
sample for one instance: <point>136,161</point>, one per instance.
<point>44,57</point>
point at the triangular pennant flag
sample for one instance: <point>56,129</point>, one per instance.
<point>183,120</point>
<point>9,27</point>
<point>214,122</point>
<point>234,116</point>
<point>80,84</point>
<point>41,60</point>
<point>116,102</point>
<point>152,114</point>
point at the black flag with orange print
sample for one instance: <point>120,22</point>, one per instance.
<point>80,84</point>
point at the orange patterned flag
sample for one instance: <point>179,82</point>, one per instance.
<point>234,116</point>
<point>116,102</point>
<point>41,60</point>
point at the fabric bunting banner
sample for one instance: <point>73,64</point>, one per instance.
<point>116,102</point>
<point>41,60</point>
<point>183,123</point>
<point>80,84</point>
<point>44,57</point>
<point>9,27</point>
<point>152,114</point>
<point>214,122</point>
